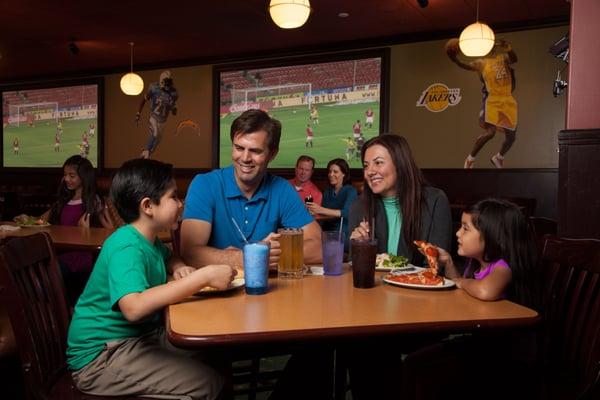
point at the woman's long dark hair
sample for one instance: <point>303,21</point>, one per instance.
<point>343,165</point>
<point>87,174</point>
<point>409,185</point>
<point>507,235</point>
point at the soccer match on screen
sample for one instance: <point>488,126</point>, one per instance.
<point>42,127</point>
<point>327,110</point>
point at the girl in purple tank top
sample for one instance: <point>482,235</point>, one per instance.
<point>77,205</point>
<point>496,239</point>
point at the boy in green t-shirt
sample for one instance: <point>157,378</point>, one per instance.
<point>116,343</point>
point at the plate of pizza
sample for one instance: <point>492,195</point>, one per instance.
<point>426,278</point>
<point>419,280</point>
<point>237,283</point>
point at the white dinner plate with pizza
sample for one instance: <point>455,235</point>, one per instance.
<point>400,270</point>
<point>448,283</point>
<point>237,283</point>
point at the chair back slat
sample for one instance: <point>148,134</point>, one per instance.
<point>571,309</point>
<point>33,292</point>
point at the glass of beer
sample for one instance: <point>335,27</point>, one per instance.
<point>291,261</point>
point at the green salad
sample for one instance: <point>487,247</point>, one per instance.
<point>385,260</point>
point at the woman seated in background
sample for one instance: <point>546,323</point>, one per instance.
<point>337,198</point>
<point>396,197</point>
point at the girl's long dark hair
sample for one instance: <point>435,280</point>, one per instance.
<point>507,235</point>
<point>87,174</point>
<point>409,185</point>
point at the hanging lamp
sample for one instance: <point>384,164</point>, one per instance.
<point>477,39</point>
<point>132,84</point>
<point>289,14</point>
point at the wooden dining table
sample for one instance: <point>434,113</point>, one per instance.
<point>321,307</point>
<point>70,238</point>
<point>328,309</point>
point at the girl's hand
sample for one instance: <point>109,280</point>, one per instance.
<point>219,276</point>
<point>459,282</point>
<point>105,220</point>
<point>444,257</point>
<point>84,221</point>
<point>182,272</point>
<point>275,251</point>
<point>361,232</point>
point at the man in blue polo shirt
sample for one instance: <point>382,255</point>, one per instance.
<point>259,202</point>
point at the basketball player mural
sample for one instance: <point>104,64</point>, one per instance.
<point>499,112</point>
<point>163,98</point>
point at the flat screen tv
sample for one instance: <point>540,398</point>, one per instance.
<point>340,100</point>
<point>44,124</point>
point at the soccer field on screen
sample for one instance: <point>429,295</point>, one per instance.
<point>335,125</point>
<point>36,144</point>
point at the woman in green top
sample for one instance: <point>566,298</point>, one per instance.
<point>398,200</point>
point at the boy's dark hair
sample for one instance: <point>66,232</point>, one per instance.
<point>507,235</point>
<point>137,179</point>
<point>251,121</point>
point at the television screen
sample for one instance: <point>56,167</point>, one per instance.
<point>43,126</point>
<point>327,109</point>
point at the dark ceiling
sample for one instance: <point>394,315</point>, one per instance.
<point>35,35</point>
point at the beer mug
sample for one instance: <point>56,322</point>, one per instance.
<point>291,261</point>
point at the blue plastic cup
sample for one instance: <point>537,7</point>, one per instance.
<point>333,252</point>
<point>256,267</point>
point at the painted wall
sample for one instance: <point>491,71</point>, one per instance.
<point>188,148</point>
<point>439,140</point>
<point>443,139</point>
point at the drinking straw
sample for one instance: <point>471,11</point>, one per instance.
<point>340,231</point>
<point>372,229</point>
<point>239,230</point>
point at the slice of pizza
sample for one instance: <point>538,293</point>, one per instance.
<point>432,254</point>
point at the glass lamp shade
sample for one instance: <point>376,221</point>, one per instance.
<point>476,40</point>
<point>289,14</point>
<point>132,84</point>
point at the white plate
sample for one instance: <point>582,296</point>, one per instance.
<point>235,284</point>
<point>448,283</point>
<point>407,270</point>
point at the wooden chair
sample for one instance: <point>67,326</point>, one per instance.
<point>32,290</point>
<point>570,339</point>
<point>541,227</point>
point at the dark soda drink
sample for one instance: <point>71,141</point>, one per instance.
<point>364,253</point>
<point>308,199</point>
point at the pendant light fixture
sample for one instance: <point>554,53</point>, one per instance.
<point>289,14</point>
<point>132,84</point>
<point>477,39</point>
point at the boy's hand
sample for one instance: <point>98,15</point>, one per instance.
<point>219,276</point>
<point>182,272</point>
<point>275,252</point>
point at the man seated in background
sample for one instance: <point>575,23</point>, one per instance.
<point>306,189</point>
<point>257,201</point>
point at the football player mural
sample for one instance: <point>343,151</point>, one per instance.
<point>499,111</point>
<point>162,96</point>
